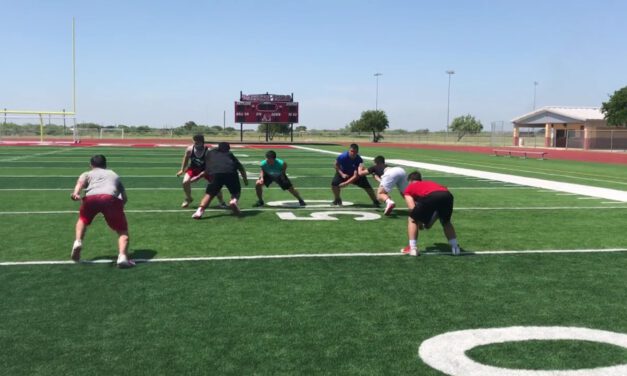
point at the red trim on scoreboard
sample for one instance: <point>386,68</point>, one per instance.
<point>266,108</point>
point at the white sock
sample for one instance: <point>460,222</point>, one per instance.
<point>388,201</point>
<point>413,244</point>
<point>453,243</point>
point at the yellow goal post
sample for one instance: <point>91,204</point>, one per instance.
<point>10,118</point>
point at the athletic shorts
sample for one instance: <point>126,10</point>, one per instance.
<point>361,182</point>
<point>441,201</point>
<point>282,180</point>
<point>393,176</point>
<point>111,207</point>
<point>230,180</point>
<point>191,172</point>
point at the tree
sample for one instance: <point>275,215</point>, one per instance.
<point>300,128</point>
<point>190,125</point>
<point>615,109</point>
<point>371,121</point>
<point>464,125</point>
<point>274,128</point>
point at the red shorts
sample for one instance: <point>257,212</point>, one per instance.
<point>111,207</point>
<point>196,171</point>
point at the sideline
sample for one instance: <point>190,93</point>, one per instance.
<point>584,190</point>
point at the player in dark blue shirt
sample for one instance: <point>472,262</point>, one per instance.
<point>349,169</point>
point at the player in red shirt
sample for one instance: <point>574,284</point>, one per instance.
<point>428,201</point>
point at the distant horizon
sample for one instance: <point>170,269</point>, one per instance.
<point>162,64</point>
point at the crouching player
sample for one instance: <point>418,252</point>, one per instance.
<point>428,201</point>
<point>274,169</point>
<point>104,193</point>
<point>388,178</point>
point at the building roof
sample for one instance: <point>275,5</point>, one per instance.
<point>555,114</point>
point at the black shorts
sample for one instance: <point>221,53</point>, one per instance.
<point>362,181</point>
<point>231,180</point>
<point>441,201</point>
<point>282,180</point>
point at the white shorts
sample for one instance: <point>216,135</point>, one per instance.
<point>393,176</point>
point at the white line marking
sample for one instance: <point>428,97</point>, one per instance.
<point>186,211</point>
<point>14,159</point>
<point>305,256</point>
<point>447,352</point>
<point>200,187</point>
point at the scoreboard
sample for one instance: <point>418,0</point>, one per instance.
<point>266,108</point>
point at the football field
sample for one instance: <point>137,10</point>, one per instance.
<point>315,290</point>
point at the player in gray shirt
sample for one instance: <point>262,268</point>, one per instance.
<point>104,193</point>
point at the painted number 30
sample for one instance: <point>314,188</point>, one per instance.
<point>329,216</point>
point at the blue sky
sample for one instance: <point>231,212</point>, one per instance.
<point>163,63</point>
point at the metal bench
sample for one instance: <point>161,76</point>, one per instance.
<point>519,153</point>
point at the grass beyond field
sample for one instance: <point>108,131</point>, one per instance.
<point>306,315</point>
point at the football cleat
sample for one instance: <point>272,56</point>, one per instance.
<point>302,203</point>
<point>186,202</point>
<point>405,250</point>
<point>76,250</point>
<point>456,251</point>
<point>124,262</point>
<point>389,207</point>
<point>259,203</point>
<point>198,214</point>
<point>234,207</point>
<point>223,205</point>
<point>337,202</point>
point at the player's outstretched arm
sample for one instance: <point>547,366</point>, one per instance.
<point>76,194</point>
<point>184,164</point>
<point>242,172</point>
<point>351,180</point>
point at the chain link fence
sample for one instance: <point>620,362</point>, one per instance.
<point>61,128</point>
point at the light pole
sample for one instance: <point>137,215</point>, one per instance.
<point>448,102</point>
<point>535,84</point>
<point>376,101</point>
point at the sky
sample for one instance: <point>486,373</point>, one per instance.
<point>163,63</point>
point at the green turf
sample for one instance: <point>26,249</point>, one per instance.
<point>306,315</point>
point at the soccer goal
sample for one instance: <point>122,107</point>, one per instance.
<point>45,125</point>
<point>111,133</point>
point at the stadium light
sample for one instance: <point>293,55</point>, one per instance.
<point>376,100</point>
<point>535,84</point>
<point>448,102</point>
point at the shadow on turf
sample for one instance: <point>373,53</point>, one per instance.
<point>242,214</point>
<point>140,255</point>
<point>445,249</point>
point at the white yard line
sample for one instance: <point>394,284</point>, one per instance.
<point>584,190</point>
<point>316,208</point>
<point>511,187</point>
<point>20,157</point>
<point>313,255</point>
